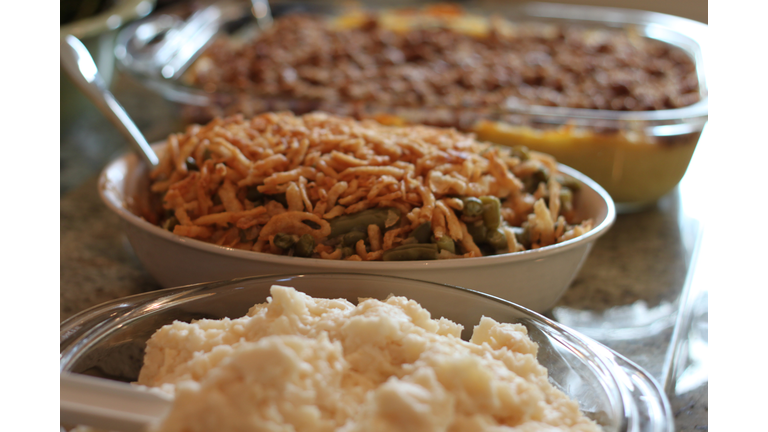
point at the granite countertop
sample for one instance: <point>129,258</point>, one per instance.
<point>637,269</point>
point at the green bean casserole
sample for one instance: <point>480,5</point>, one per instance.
<point>323,186</point>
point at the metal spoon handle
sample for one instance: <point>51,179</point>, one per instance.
<point>79,65</point>
<point>263,13</point>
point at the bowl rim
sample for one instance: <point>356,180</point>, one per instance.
<point>130,161</point>
<point>176,293</point>
<point>631,383</point>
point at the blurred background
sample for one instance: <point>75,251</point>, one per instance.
<point>88,141</point>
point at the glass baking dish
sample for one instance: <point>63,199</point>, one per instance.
<point>108,340</point>
<point>637,156</point>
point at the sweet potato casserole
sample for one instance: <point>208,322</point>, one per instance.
<point>443,57</point>
<point>442,66</point>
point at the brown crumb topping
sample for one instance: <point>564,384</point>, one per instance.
<point>511,65</point>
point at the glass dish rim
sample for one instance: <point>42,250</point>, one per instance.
<point>615,370</point>
<point>125,10</point>
<point>693,31</point>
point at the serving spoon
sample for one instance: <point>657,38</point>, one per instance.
<point>263,13</point>
<point>109,405</point>
<point>79,65</point>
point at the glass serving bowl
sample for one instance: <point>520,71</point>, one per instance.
<point>109,340</point>
<point>637,156</point>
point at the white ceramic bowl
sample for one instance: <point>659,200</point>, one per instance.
<point>535,279</point>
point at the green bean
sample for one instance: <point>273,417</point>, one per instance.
<point>252,193</point>
<point>377,216</point>
<point>351,238</point>
<point>566,199</point>
<point>347,252</point>
<point>411,252</point>
<point>191,164</point>
<point>568,181</point>
<point>532,183</point>
<point>497,239</point>
<point>305,246</point>
<point>478,231</point>
<point>521,152</point>
<point>170,223</point>
<point>446,243</point>
<point>524,236</point>
<point>422,232</point>
<point>472,207</point>
<point>491,211</point>
<point>284,241</point>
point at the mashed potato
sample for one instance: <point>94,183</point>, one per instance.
<point>298,363</point>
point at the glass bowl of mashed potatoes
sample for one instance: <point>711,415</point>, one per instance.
<point>370,352</point>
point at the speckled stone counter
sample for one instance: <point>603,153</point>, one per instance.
<point>637,269</point>
<point>97,263</point>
